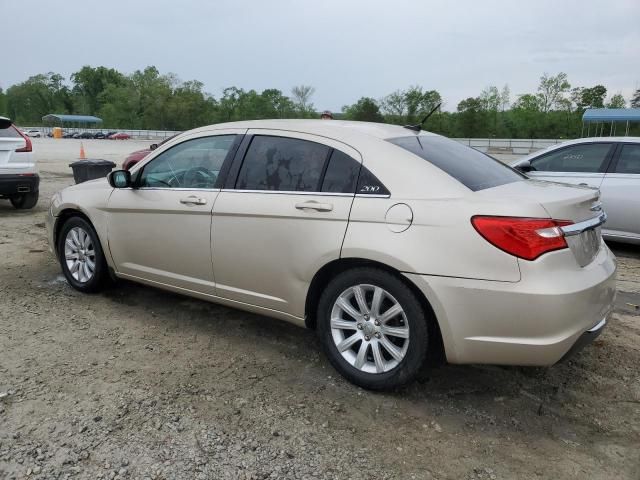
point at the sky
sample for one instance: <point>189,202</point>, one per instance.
<point>346,49</point>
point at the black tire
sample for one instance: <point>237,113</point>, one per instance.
<point>416,318</point>
<point>100,273</point>
<point>24,200</point>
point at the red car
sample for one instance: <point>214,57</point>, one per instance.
<point>135,157</point>
<point>120,136</point>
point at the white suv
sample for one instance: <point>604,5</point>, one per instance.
<point>33,133</point>
<point>19,179</point>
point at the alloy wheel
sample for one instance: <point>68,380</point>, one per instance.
<point>80,255</point>
<point>369,328</point>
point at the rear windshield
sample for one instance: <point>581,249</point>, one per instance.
<point>470,167</point>
<point>10,132</point>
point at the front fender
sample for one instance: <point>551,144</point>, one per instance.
<point>90,199</point>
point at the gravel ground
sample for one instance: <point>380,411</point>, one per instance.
<point>138,383</point>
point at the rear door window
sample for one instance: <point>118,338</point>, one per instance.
<point>587,158</point>
<point>629,159</point>
<point>282,164</point>
<point>470,167</point>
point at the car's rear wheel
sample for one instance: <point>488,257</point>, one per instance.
<point>373,328</point>
<point>81,256</point>
<point>24,200</point>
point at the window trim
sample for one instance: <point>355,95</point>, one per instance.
<point>616,158</point>
<point>219,180</point>
<point>603,168</point>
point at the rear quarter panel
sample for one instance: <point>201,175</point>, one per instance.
<point>440,241</point>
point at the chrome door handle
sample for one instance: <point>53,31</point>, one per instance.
<point>193,200</point>
<point>583,184</point>
<point>313,205</point>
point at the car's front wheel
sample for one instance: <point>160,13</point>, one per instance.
<point>24,201</point>
<point>373,328</point>
<point>81,257</point>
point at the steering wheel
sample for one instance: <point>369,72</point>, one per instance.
<point>198,177</point>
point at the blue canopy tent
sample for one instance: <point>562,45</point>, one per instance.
<point>78,120</point>
<point>606,116</point>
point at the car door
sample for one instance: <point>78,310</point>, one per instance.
<point>282,215</point>
<point>579,164</point>
<point>621,192</point>
<point>160,231</point>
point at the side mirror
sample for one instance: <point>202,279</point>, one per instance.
<point>153,146</point>
<point>120,179</point>
<point>525,166</point>
<point>4,123</point>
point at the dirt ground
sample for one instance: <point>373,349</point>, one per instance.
<point>139,383</point>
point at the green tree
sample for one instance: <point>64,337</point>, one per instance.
<point>394,107</point>
<point>88,85</point>
<point>635,99</point>
<point>302,99</point>
<point>551,90</point>
<point>471,117</point>
<point>505,97</point>
<point>525,116</point>
<point>617,101</point>
<point>189,106</point>
<point>364,110</point>
<point>3,103</point>
<point>419,102</point>
<point>591,97</point>
<point>408,106</point>
<point>528,102</point>
<point>39,95</point>
<point>490,101</point>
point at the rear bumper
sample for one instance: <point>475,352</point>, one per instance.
<point>585,339</point>
<point>14,184</point>
<point>536,321</point>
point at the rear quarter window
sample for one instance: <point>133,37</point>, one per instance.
<point>10,132</point>
<point>472,168</point>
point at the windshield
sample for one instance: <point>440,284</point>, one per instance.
<point>470,167</point>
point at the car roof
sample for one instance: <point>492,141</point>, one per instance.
<point>576,141</point>
<point>338,129</point>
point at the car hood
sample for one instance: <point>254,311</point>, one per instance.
<point>98,183</point>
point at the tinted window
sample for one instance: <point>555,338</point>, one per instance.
<point>342,174</point>
<point>589,158</point>
<point>283,164</point>
<point>192,164</point>
<point>470,167</point>
<point>10,132</point>
<point>629,160</point>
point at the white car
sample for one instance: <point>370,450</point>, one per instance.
<point>393,243</point>
<point>611,164</point>
<point>19,179</point>
<point>33,133</point>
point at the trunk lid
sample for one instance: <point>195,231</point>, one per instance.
<point>580,205</point>
<point>560,201</point>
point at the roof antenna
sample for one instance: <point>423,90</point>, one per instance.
<point>418,126</point>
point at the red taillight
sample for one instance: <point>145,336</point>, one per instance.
<point>526,238</point>
<point>28,147</point>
